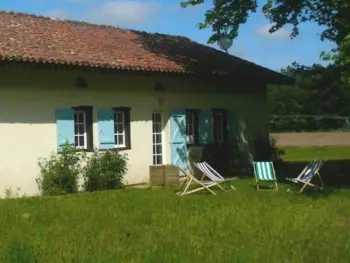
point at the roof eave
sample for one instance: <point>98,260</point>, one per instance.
<point>272,78</point>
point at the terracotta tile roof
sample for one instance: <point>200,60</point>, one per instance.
<point>40,39</point>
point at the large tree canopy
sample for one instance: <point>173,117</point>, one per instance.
<point>226,16</point>
<point>319,91</point>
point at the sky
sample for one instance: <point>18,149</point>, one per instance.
<point>254,43</point>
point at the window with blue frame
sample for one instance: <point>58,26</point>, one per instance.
<point>122,136</point>
<point>192,125</point>
<point>114,128</point>
<point>74,126</point>
<point>219,126</point>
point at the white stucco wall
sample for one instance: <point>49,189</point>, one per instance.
<point>28,99</point>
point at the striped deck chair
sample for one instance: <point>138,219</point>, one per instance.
<point>264,171</point>
<point>308,173</point>
<point>190,181</point>
<point>209,172</point>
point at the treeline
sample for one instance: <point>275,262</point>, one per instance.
<point>319,91</point>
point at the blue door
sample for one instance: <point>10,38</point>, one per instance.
<point>178,138</point>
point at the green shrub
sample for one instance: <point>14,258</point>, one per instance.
<point>59,173</point>
<point>268,150</point>
<point>12,193</point>
<point>277,153</point>
<point>104,171</point>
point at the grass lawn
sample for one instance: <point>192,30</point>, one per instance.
<point>155,225</point>
<point>299,154</point>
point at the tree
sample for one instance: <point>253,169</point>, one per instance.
<point>226,16</point>
<point>318,91</point>
<point>344,58</point>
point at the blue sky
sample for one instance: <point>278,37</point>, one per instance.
<point>166,16</point>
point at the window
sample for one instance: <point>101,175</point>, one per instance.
<point>80,135</point>
<point>83,127</point>
<point>191,126</point>
<point>119,128</point>
<point>219,126</point>
<point>157,138</point>
<point>122,128</point>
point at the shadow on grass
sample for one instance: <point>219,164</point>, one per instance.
<point>334,173</point>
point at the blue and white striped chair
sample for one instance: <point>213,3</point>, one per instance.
<point>264,171</point>
<point>308,173</point>
<point>211,174</point>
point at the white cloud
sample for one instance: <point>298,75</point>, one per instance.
<point>122,11</point>
<point>281,34</point>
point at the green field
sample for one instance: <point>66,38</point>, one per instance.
<point>155,225</point>
<point>297,154</point>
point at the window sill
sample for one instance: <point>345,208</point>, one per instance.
<point>119,149</point>
<point>100,150</point>
<point>59,150</point>
<point>84,150</point>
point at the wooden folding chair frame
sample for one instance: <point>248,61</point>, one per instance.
<point>302,172</point>
<point>308,182</point>
<point>257,180</point>
<point>191,179</point>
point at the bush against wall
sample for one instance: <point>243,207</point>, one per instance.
<point>104,171</point>
<point>59,173</point>
<point>267,150</point>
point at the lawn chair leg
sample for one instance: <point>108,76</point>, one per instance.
<point>319,177</point>
<point>257,184</point>
<point>223,189</point>
<point>276,185</point>
<point>187,186</point>
<point>182,185</point>
<point>302,189</point>
<point>309,184</point>
<point>199,189</point>
<point>234,188</point>
<point>185,192</point>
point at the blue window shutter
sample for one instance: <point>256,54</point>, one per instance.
<point>178,137</point>
<point>65,126</point>
<point>105,119</point>
<point>205,127</point>
<point>233,128</point>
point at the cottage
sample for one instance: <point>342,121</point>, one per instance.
<point>153,96</point>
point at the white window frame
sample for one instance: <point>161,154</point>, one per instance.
<point>190,139</point>
<point>116,133</point>
<point>221,131</point>
<point>162,136</point>
<point>76,134</point>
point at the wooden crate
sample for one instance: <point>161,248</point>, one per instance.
<point>156,174</point>
<point>171,176</point>
<point>164,175</point>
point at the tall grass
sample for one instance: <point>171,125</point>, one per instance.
<point>155,225</point>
